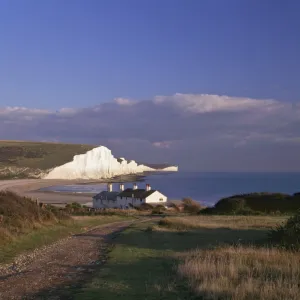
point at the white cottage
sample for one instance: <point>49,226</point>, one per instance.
<point>136,197</point>
<point>128,198</point>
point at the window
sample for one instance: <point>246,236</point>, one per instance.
<point>161,199</point>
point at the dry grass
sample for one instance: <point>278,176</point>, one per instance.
<point>239,273</point>
<point>231,222</point>
<point>19,215</point>
<point>208,266</point>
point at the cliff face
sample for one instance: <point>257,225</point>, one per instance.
<point>99,163</point>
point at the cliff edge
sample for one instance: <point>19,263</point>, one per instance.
<point>99,163</point>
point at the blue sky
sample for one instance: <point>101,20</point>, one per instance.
<point>77,53</point>
<point>116,57</point>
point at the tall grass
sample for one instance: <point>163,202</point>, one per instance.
<point>19,215</point>
<point>239,273</point>
<point>232,222</point>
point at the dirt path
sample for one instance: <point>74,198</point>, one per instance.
<point>59,270</point>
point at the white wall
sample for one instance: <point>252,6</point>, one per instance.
<point>155,198</point>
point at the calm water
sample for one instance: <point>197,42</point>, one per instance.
<point>204,187</point>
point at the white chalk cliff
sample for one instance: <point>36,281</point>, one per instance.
<point>99,163</point>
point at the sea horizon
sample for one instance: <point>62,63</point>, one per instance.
<point>205,187</point>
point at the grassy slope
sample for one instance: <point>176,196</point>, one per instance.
<point>157,262</point>
<point>48,234</point>
<point>37,155</point>
<point>24,225</point>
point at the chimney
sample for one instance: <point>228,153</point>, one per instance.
<point>148,187</point>
<point>135,186</point>
<point>121,187</point>
<point>109,187</point>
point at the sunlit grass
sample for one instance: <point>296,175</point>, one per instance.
<point>239,273</point>
<point>231,222</point>
<point>195,257</point>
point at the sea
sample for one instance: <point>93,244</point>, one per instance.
<point>205,187</point>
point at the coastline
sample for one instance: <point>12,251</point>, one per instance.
<point>31,188</point>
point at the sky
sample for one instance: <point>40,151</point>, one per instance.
<point>210,85</point>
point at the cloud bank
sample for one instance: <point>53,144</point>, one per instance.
<point>198,132</point>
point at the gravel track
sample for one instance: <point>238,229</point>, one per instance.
<point>60,269</point>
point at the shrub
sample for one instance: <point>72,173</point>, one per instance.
<point>288,234</point>
<point>145,206</point>
<point>158,209</point>
<point>258,203</point>
<point>175,207</point>
<point>191,206</point>
<point>73,205</point>
<point>231,204</point>
<point>207,211</point>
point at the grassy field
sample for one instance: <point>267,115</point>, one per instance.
<point>47,234</point>
<point>218,257</point>
<point>24,225</point>
<point>25,158</point>
<point>231,222</point>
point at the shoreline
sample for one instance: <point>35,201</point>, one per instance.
<point>31,188</point>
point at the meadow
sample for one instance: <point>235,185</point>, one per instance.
<point>171,255</point>
<point>198,257</point>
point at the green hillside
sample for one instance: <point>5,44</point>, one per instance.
<point>21,159</point>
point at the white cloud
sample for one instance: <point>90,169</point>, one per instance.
<point>201,131</point>
<point>67,111</point>
<point>23,110</point>
<point>124,101</point>
<point>204,103</point>
<point>163,144</point>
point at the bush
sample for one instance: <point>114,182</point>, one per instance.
<point>74,205</point>
<point>158,209</point>
<point>207,211</point>
<point>145,206</point>
<point>191,206</point>
<point>288,234</point>
<point>175,207</point>
<point>258,203</point>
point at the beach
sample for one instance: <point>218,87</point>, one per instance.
<point>31,188</point>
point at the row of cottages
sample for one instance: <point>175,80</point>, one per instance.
<point>127,198</point>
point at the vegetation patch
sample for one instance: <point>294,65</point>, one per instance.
<point>191,206</point>
<point>19,215</point>
<point>205,261</point>
<point>25,225</point>
<point>76,209</point>
<point>287,235</point>
<point>242,273</point>
<point>256,203</point>
<point>158,210</point>
<point>229,222</point>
